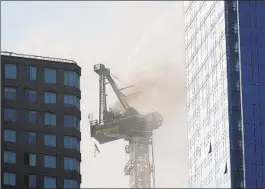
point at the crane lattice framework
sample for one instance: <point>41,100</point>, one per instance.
<point>137,129</point>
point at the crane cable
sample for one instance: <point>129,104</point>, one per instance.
<point>153,161</point>
<point>118,79</point>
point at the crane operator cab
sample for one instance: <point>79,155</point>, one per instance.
<point>126,127</point>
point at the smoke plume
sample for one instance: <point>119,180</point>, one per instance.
<point>158,88</point>
<point>143,42</point>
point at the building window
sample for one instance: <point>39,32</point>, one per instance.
<point>10,93</point>
<point>31,117</point>
<point>71,143</point>
<point>71,79</point>
<point>30,181</point>
<point>71,164</point>
<point>50,76</point>
<point>30,73</point>
<point>71,101</point>
<point>50,140</point>
<point>50,182</point>
<point>71,183</point>
<point>10,179</point>
<point>30,159</point>
<point>10,71</point>
<point>50,119</point>
<point>10,135</point>
<point>31,96</point>
<point>30,138</point>
<point>49,161</point>
<point>9,157</point>
<point>71,121</point>
<point>10,114</point>
<point>49,98</point>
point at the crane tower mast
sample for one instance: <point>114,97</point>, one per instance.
<point>136,128</point>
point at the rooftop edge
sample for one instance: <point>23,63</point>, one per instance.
<point>6,53</point>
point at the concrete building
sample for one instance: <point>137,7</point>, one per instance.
<point>40,122</point>
<point>225,66</point>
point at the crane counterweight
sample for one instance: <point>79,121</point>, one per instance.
<point>130,125</point>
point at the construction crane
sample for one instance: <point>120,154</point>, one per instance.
<point>129,125</point>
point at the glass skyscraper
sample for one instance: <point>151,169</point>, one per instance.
<point>225,69</point>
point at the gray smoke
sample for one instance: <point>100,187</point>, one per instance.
<point>159,88</point>
<point>108,32</point>
<point>159,74</point>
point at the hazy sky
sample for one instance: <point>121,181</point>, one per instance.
<point>133,39</point>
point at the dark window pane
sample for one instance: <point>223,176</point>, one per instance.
<point>71,143</point>
<point>31,95</point>
<point>50,119</point>
<point>10,71</point>
<point>30,159</point>
<point>50,76</point>
<point>10,93</point>
<point>71,79</point>
<point>30,73</point>
<point>71,164</point>
<point>49,182</point>
<point>49,98</point>
<point>30,138</point>
<point>50,140</point>
<point>9,157</point>
<point>31,117</point>
<point>71,183</point>
<point>10,114</point>
<point>71,121</point>
<point>32,181</point>
<point>71,100</point>
<point>10,179</point>
<point>49,161</point>
<point>9,135</point>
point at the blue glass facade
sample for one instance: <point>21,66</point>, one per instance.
<point>251,16</point>
<point>225,68</point>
